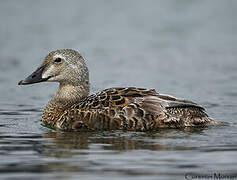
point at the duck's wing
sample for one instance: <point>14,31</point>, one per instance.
<point>112,98</point>
<point>120,97</point>
<point>132,109</point>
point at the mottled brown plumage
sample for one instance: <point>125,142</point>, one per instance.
<point>116,108</point>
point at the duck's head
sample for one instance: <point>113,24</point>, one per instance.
<point>65,66</point>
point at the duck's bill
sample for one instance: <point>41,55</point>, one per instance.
<point>35,77</point>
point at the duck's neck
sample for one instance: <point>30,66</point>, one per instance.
<point>65,97</point>
<point>68,95</point>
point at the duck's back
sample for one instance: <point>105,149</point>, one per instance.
<point>132,109</point>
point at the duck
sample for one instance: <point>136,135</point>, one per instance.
<point>72,108</point>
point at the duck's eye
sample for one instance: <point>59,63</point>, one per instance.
<point>58,60</point>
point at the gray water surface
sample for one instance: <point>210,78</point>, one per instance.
<point>184,48</point>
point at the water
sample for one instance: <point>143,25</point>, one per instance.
<point>185,48</point>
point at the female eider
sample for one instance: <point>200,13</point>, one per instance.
<point>130,108</point>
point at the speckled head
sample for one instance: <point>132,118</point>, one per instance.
<point>65,66</point>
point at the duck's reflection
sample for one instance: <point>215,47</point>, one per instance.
<point>97,152</point>
<point>64,144</point>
